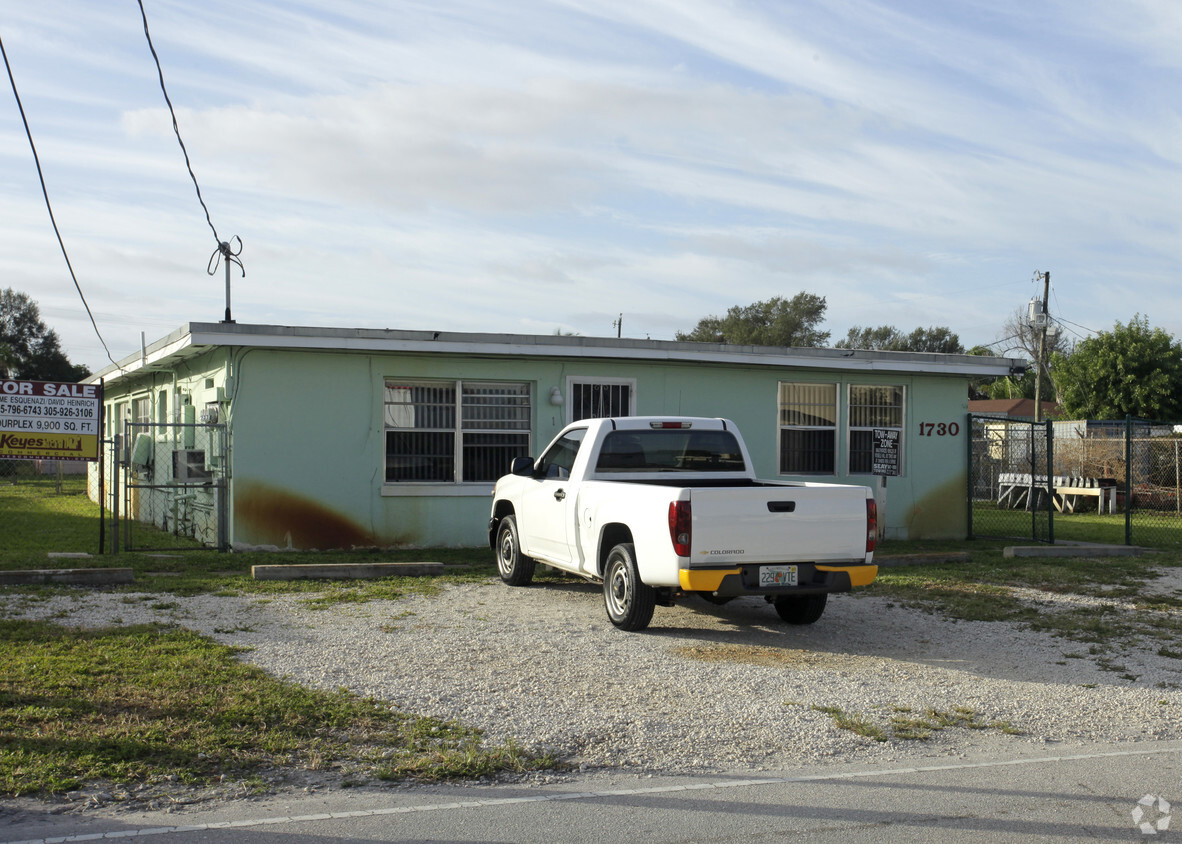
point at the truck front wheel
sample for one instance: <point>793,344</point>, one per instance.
<point>801,609</point>
<point>629,602</point>
<point>515,568</point>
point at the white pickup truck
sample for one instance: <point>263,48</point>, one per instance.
<point>655,508</point>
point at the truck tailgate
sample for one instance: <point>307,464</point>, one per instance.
<point>764,524</point>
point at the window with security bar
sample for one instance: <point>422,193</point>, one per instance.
<point>601,399</point>
<point>870,407</point>
<point>454,431</point>
<point>808,428</point>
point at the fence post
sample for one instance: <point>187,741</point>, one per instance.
<point>1050,435</point>
<point>102,472</point>
<point>972,479</point>
<point>115,494</point>
<point>1128,479</point>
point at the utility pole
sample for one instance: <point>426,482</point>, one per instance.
<point>1042,343</point>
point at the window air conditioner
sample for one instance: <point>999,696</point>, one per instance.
<point>188,466</point>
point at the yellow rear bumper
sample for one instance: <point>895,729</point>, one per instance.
<point>859,575</point>
<point>710,580</point>
<point>703,581</point>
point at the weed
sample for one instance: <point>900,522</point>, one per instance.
<point>854,723</point>
<point>136,703</point>
<point>904,725</point>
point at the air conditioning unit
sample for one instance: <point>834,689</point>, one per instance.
<point>188,466</point>
<point>142,453</point>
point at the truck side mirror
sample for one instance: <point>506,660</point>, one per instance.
<point>523,466</point>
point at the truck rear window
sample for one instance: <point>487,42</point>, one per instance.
<point>672,450</point>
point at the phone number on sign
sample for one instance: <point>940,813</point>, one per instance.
<point>9,408</point>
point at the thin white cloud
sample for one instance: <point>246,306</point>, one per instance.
<point>666,158</point>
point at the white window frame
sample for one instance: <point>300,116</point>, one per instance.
<point>781,427</point>
<point>141,410</point>
<point>596,381</point>
<point>901,427</point>
<point>458,430</point>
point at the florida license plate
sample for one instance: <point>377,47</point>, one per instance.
<point>777,575</point>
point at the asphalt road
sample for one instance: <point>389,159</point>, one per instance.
<point>1065,794</point>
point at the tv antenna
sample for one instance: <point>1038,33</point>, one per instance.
<point>224,250</point>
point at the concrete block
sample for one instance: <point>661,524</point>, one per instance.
<point>1073,551</point>
<point>930,559</point>
<point>71,577</point>
<point>344,571</point>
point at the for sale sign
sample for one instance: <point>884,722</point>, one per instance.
<point>48,420</point>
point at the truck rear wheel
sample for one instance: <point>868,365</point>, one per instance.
<point>801,609</point>
<point>515,568</point>
<point>629,602</point>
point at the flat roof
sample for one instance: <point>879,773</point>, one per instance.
<point>196,338</point>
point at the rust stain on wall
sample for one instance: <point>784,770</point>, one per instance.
<point>941,514</point>
<point>267,515</point>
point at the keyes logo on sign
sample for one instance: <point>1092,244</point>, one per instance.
<point>48,420</point>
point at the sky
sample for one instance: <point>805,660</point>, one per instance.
<point>593,166</point>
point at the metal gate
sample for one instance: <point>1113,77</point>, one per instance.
<point>1010,478</point>
<point>175,486</point>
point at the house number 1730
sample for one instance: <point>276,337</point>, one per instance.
<point>938,429</point>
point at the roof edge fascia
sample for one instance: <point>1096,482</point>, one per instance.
<point>194,336</point>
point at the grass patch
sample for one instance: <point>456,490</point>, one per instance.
<point>856,724</point>
<point>138,704</point>
<point>905,725</point>
<point>982,588</point>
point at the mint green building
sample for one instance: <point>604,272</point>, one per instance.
<point>332,438</point>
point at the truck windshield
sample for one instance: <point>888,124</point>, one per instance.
<point>670,450</point>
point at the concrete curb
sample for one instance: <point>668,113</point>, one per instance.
<point>72,577</point>
<point>928,559</point>
<point>344,571</point>
<point>1073,551</point>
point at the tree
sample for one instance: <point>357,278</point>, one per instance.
<point>1006,387</point>
<point>1132,370</point>
<point>774,322</point>
<point>890,339</point>
<point>1019,336</point>
<point>30,349</point>
<point>7,360</point>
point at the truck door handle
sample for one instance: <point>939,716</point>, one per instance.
<point>560,494</point>
<point>782,506</point>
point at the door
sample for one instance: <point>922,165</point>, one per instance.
<point>548,507</point>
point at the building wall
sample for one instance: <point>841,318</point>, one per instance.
<point>158,399</point>
<point>308,440</point>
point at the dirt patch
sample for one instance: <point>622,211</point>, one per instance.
<point>771,657</point>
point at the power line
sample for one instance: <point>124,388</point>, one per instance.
<point>223,249</point>
<point>49,207</point>
<point>1077,325</point>
<point>175,128</point>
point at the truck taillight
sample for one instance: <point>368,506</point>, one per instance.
<point>680,527</point>
<point>871,524</point>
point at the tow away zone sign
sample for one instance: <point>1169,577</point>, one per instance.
<point>48,420</point>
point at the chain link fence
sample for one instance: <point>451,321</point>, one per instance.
<point>1009,468</point>
<point>156,487</point>
<point>172,486</point>
<point>48,503</point>
<point>1115,482</point>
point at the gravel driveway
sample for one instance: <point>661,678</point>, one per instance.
<point>705,689</point>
